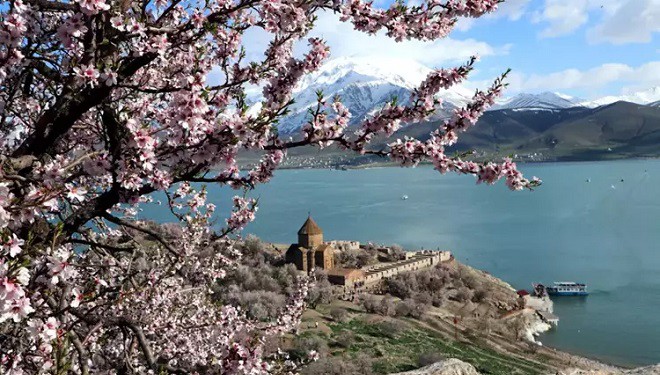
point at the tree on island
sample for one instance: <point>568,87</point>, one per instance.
<point>104,102</point>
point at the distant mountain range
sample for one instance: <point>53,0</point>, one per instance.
<point>614,131</point>
<point>366,84</point>
<point>646,97</point>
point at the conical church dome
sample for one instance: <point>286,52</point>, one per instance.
<point>310,227</point>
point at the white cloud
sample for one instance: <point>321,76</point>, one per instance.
<point>592,80</point>
<point>345,41</point>
<point>632,22</point>
<point>562,16</point>
<point>622,21</point>
<point>512,10</point>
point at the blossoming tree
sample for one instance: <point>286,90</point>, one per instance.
<point>104,102</point>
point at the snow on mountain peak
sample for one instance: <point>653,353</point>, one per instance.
<point>400,72</point>
<point>644,97</point>
<point>364,85</point>
<point>544,100</point>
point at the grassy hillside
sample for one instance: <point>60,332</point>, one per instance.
<point>402,344</point>
<point>617,130</point>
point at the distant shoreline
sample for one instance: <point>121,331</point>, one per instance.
<point>389,164</point>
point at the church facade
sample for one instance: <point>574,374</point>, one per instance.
<point>311,251</point>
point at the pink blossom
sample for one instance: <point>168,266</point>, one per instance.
<point>75,193</point>
<point>109,78</point>
<point>87,74</point>
<point>13,245</point>
<point>93,6</point>
<point>77,298</point>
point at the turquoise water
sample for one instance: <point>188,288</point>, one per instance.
<point>605,233</point>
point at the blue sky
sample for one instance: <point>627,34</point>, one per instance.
<point>550,36</point>
<point>585,48</point>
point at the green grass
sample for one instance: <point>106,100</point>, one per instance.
<point>395,350</point>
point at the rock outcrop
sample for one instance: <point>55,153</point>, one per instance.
<point>457,367</point>
<point>447,367</point>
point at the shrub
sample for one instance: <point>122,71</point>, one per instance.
<point>303,344</point>
<point>391,328</point>
<point>320,291</point>
<point>417,310</point>
<point>259,304</point>
<point>339,366</point>
<point>463,294</point>
<point>386,307</point>
<point>369,303</point>
<point>345,339</point>
<point>399,286</point>
<point>479,295</point>
<point>395,253</point>
<point>402,309</point>
<point>338,314</point>
<point>430,358</point>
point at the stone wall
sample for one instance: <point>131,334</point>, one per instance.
<point>417,261</point>
<point>345,245</point>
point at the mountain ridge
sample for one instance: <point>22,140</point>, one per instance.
<point>365,85</point>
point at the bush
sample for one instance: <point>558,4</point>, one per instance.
<point>395,253</point>
<point>370,303</point>
<point>417,310</point>
<point>479,295</point>
<point>423,298</point>
<point>303,344</point>
<point>338,315</point>
<point>463,294</point>
<point>356,258</point>
<point>345,339</point>
<point>320,291</point>
<point>339,366</point>
<point>386,307</point>
<point>411,308</point>
<point>402,309</point>
<point>392,328</point>
<point>260,305</point>
<point>399,287</point>
<point>430,358</point>
<point>373,305</point>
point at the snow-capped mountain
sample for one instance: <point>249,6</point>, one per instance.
<point>641,97</point>
<point>542,101</point>
<point>364,85</point>
<point>655,104</point>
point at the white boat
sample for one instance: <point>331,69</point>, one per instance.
<point>567,288</point>
<point>404,197</point>
<point>561,288</point>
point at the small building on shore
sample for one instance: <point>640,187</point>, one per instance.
<point>310,251</point>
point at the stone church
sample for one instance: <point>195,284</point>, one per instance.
<point>310,251</point>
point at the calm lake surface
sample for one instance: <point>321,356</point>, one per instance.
<point>605,233</point>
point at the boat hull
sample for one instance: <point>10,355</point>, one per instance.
<point>556,293</point>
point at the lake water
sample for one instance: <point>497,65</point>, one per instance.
<point>605,233</point>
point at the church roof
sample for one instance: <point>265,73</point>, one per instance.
<point>324,247</point>
<point>310,227</point>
